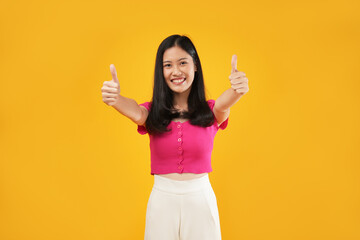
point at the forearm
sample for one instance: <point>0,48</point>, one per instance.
<point>128,107</point>
<point>227,99</point>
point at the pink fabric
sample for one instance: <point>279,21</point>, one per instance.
<point>187,148</point>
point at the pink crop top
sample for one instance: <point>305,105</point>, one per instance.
<point>187,148</point>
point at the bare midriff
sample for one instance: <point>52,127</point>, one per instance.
<point>182,176</point>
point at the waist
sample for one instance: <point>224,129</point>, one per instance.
<point>182,176</point>
<point>181,187</point>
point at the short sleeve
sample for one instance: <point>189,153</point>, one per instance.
<point>141,129</point>
<point>224,124</point>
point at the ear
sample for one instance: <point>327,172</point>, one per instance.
<point>195,68</point>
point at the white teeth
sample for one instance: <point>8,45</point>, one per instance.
<point>179,80</point>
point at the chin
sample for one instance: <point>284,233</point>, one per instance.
<point>181,90</point>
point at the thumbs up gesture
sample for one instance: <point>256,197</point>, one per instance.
<point>111,89</point>
<point>238,80</point>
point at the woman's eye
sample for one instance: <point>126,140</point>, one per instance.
<point>168,65</point>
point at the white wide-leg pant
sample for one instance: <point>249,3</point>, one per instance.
<point>182,210</point>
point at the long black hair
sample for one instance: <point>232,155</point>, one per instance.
<point>162,110</point>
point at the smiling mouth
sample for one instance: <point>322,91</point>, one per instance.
<point>178,81</point>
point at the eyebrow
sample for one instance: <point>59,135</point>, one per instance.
<point>178,60</point>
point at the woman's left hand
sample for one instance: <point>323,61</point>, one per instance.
<point>238,80</point>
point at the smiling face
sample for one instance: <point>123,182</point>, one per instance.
<point>178,69</point>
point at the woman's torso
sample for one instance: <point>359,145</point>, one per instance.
<point>182,176</point>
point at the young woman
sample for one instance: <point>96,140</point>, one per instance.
<point>181,125</point>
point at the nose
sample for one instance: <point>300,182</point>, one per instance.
<point>176,71</point>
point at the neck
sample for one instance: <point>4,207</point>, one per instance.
<point>180,99</point>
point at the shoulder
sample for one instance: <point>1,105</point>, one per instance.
<point>147,105</point>
<point>141,128</point>
<point>211,103</point>
<point>222,124</point>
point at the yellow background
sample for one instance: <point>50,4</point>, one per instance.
<point>286,168</point>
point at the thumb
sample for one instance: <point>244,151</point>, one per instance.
<point>113,73</point>
<point>234,63</point>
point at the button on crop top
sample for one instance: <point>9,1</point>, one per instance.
<point>186,148</point>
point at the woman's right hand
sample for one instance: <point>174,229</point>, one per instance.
<point>111,89</point>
